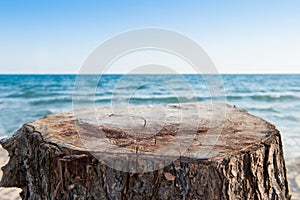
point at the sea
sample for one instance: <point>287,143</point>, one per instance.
<point>274,97</point>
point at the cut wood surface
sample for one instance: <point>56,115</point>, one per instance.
<point>176,151</point>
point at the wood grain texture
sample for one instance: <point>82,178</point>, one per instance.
<point>234,156</point>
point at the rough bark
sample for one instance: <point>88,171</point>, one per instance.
<point>48,161</point>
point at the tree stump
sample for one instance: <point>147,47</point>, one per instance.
<point>175,151</point>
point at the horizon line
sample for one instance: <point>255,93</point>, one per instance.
<point>238,73</point>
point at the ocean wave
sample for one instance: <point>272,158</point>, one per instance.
<point>275,97</point>
<point>264,97</point>
<point>51,101</point>
<point>4,136</point>
<point>35,95</point>
<point>289,118</point>
<point>101,94</point>
<point>270,109</point>
<point>294,90</point>
<point>234,97</point>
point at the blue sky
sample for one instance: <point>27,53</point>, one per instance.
<point>257,36</point>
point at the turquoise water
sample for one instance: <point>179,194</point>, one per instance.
<point>275,98</point>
